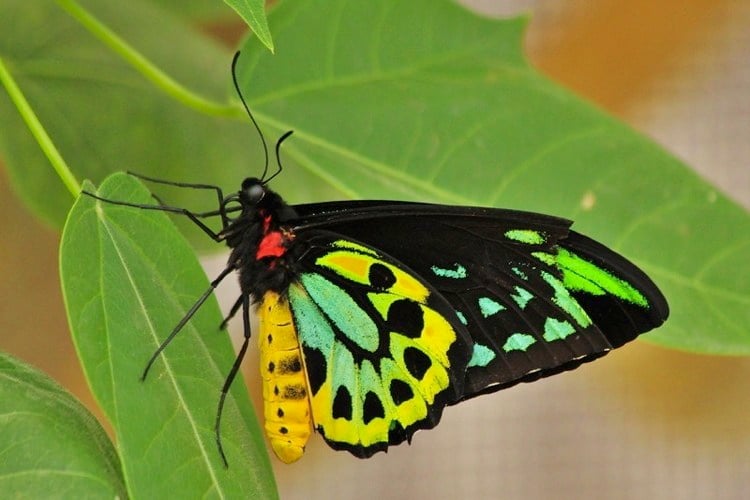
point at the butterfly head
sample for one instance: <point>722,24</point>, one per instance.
<point>253,192</point>
<point>256,197</point>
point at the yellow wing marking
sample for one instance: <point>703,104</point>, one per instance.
<point>355,267</point>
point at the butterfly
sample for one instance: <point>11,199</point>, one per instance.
<point>376,315</point>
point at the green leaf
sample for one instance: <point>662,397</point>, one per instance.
<point>128,277</point>
<point>51,445</point>
<point>423,100</point>
<point>104,116</point>
<point>254,14</point>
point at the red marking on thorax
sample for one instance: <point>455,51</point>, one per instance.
<point>272,243</point>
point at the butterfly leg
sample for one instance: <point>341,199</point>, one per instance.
<point>202,215</point>
<point>219,194</point>
<point>232,312</point>
<point>245,302</point>
<point>163,208</point>
<point>214,213</point>
<point>185,319</point>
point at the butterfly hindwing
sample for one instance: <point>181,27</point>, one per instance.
<point>383,352</point>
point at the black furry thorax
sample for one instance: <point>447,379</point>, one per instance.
<point>262,241</point>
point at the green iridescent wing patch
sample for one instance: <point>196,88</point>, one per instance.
<point>381,358</point>
<point>618,296</point>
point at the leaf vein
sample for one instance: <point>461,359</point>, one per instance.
<point>515,171</point>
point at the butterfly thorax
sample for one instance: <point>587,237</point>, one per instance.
<point>263,249</point>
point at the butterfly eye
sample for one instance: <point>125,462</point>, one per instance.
<point>255,193</point>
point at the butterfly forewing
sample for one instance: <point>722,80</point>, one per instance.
<point>528,315</point>
<point>618,296</point>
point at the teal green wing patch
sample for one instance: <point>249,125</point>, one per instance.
<point>384,354</point>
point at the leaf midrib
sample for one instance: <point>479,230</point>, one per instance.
<point>105,223</point>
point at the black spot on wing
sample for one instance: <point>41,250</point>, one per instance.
<point>400,391</point>
<point>317,368</point>
<point>372,408</point>
<point>405,317</point>
<point>416,362</point>
<point>342,404</point>
<point>381,277</point>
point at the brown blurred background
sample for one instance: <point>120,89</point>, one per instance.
<point>643,423</point>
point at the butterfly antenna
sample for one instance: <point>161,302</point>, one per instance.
<point>278,157</point>
<point>247,109</point>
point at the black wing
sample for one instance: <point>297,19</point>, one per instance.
<point>535,297</point>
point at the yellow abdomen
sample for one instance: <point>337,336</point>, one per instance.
<point>288,421</point>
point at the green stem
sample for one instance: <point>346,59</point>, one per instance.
<point>143,65</point>
<point>37,130</point>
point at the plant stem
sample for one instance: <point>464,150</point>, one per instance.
<point>145,67</point>
<point>37,130</point>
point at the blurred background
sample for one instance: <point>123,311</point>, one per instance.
<point>644,422</point>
